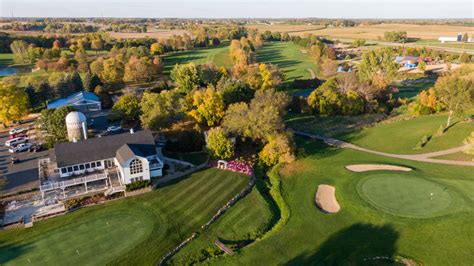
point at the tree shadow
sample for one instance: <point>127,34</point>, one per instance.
<point>357,244</point>
<point>9,252</point>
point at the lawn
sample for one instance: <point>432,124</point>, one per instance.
<point>219,56</point>
<point>288,57</point>
<point>361,230</point>
<point>195,158</point>
<point>137,230</point>
<point>460,45</point>
<point>401,137</point>
<point>411,88</point>
<point>6,60</point>
<point>249,218</point>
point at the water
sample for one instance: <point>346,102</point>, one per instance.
<point>8,71</point>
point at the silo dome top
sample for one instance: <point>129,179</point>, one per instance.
<point>75,118</point>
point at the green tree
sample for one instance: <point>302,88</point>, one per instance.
<point>128,107</point>
<point>113,70</point>
<point>159,110</point>
<point>218,144</point>
<point>464,58</point>
<point>53,122</point>
<point>455,92</point>
<point>186,77</point>
<point>234,91</point>
<point>20,52</point>
<point>378,67</point>
<point>422,66</point>
<point>13,103</point>
<point>465,37</point>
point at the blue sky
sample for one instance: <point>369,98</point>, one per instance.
<point>240,8</point>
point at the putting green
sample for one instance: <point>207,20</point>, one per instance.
<point>406,195</point>
<point>96,240</point>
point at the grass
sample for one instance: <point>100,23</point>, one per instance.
<point>411,88</point>
<point>461,45</point>
<point>408,196</point>
<point>402,136</point>
<point>288,57</point>
<point>137,230</point>
<point>458,156</point>
<point>361,230</point>
<point>219,56</point>
<point>6,60</point>
<point>195,158</point>
<point>246,220</point>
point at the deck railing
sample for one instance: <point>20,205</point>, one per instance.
<point>73,182</point>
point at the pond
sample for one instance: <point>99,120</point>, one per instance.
<point>7,71</point>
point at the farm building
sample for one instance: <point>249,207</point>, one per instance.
<point>82,101</point>
<point>408,61</point>
<point>105,163</point>
<point>458,38</point>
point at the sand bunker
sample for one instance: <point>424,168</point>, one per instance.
<point>326,199</point>
<point>375,167</point>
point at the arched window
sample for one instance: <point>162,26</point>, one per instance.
<point>136,166</point>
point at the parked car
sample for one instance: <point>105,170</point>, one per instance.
<point>114,128</point>
<point>16,141</point>
<point>36,147</point>
<point>19,135</point>
<point>20,147</point>
<point>17,130</point>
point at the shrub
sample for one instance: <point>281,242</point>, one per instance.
<point>138,185</point>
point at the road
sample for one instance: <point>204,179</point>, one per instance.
<point>425,157</point>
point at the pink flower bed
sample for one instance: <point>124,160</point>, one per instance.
<point>240,167</point>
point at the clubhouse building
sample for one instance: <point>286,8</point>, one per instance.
<point>106,163</point>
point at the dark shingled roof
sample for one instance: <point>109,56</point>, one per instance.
<point>95,149</point>
<point>128,151</point>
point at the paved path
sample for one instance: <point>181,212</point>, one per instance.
<point>311,72</point>
<point>424,157</point>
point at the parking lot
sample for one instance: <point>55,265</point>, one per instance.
<point>22,175</point>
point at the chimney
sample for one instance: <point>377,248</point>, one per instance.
<point>131,131</point>
<point>84,129</point>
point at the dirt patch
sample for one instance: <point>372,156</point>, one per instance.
<point>376,167</point>
<point>326,199</point>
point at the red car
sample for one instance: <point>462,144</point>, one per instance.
<point>16,136</point>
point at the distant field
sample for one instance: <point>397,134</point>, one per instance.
<point>288,57</point>
<point>370,32</point>
<point>219,56</point>
<point>131,231</point>
<point>157,34</point>
<point>437,43</point>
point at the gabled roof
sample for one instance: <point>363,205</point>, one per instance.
<point>78,98</point>
<point>95,149</point>
<point>128,151</point>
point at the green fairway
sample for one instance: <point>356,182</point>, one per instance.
<point>219,56</point>
<point>137,230</point>
<point>407,196</point>
<point>6,60</point>
<point>402,136</point>
<point>359,230</point>
<point>288,57</point>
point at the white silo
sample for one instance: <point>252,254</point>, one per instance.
<point>76,124</point>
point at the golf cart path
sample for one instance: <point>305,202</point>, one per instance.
<point>311,72</point>
<point>424,157</point>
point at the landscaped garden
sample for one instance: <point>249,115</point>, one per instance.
<point>137,230</point>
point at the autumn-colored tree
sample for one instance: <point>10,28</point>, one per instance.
<point>469,142</point>
<point>56,44</point>
<point>328,67</point>
<point>279,149</point>
<point>378,68</point>
<point>465,58</point>
<point>270,75</point>
<point>128,107</point>
<point>97,66</point>
<point>157,49</point>
<point>97,45</point>
<point>208,106</point>
<point>218,144</point>
<point>113,70</point>
<point>13,103</point>
<point>138,69</point>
